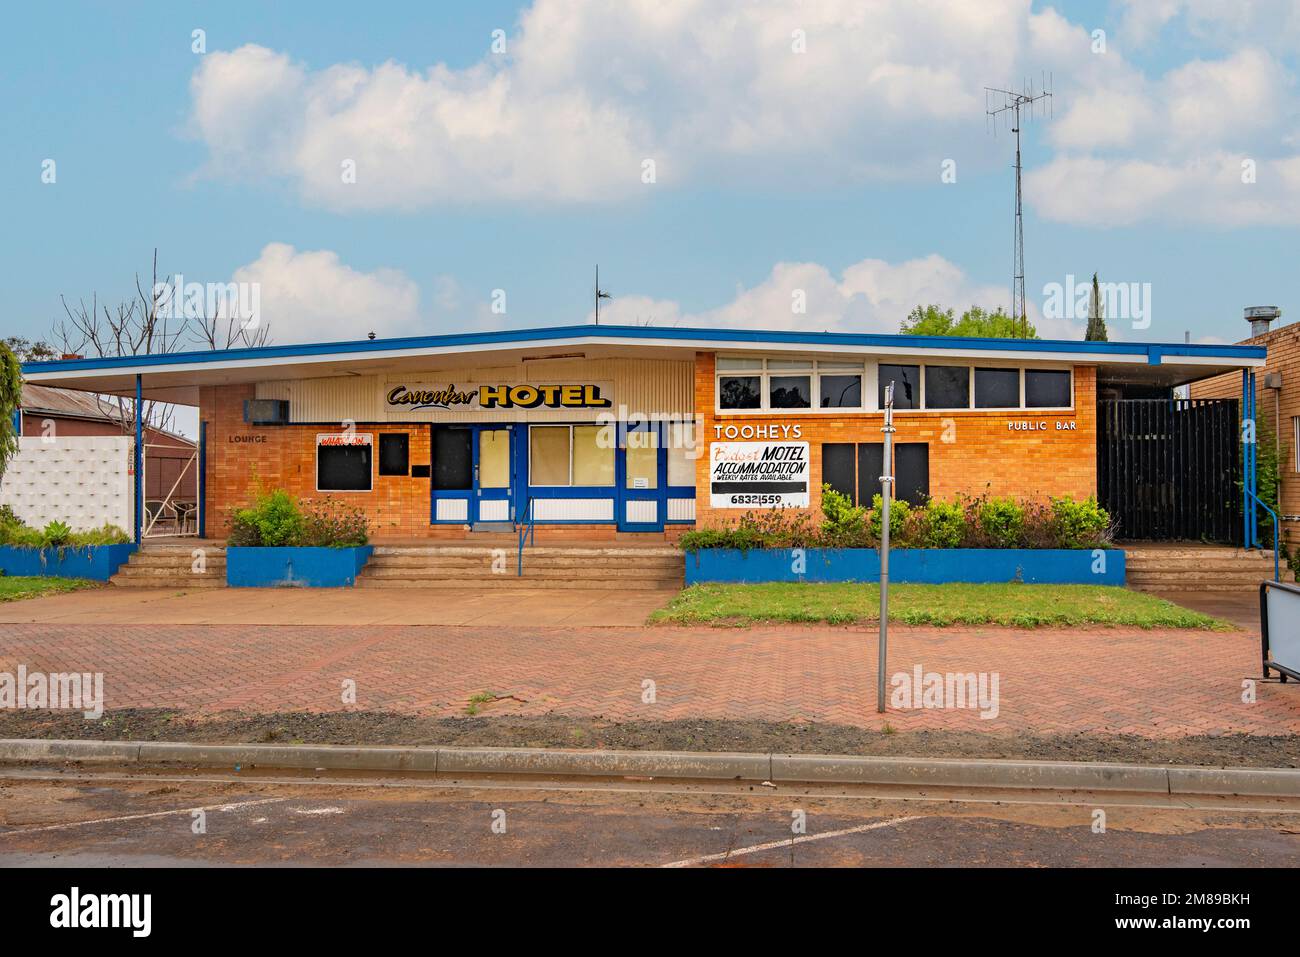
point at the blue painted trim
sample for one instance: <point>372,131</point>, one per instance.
<point>720,337</point>
<point>18,421</point>
<point>98,562</point>
<point>203,479</point>
<point>295,567</point>
<point>139,458</point>
<point>910,565</point>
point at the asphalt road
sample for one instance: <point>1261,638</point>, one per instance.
<point>63,818</point>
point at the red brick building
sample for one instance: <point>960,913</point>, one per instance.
<point>593,431</point>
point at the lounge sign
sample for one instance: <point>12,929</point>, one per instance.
<point>489,397</point>
<point>758,474</point>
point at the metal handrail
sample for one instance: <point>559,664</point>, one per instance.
<point>527,533</point>
<point>1277,550</point>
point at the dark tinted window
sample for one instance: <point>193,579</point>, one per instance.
<point>395,454</point>
<point>947,387</point>
<point>790,392</point>
<point>1046,389</point>
<point>837,467</point>
<point>343,468</point>
<point>907,385</point>
<point>912,472</point>
<point>453,462</point>
<point>841,391</point>
<point>997,388</point>
<point>871,462</point>
<point>739,392</point>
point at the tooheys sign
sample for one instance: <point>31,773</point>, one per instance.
<point>758,474</point>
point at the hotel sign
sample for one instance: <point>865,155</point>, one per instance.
<point>758,474</point>
<point>402,398</point>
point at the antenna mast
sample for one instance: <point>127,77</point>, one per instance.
<point>600,294</point>
<point>996,103</point>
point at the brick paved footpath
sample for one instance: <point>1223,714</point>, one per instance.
<point>1153,683</point>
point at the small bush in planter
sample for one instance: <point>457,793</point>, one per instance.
<point>1079,524</point>
<point>1002,522</point>
<point>899,518</point>
<point>941,525</point>
<point>278,520</point>
<point>55,535</point>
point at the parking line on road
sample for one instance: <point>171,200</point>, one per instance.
<point>797,839</point>
<point>140,817</point>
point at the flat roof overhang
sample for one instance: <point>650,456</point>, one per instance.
<point>176,377</point>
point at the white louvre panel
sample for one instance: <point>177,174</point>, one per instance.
<point>573,509</point>
<point>646,386</point>
<point>493,510</point>
<point>640,513</point>
<point>681,510</point>
<point>452,510</point>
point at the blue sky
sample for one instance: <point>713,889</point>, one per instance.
<point>777,171</point>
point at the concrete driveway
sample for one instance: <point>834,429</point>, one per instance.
<point>340,606</point>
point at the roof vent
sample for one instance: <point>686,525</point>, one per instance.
<point>1260,317</point>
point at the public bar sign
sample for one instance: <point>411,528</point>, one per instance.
<point>758,474</point>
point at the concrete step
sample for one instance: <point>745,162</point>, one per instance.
<point>163,581</point>
<point>1216,587</point>
<point>485,571</point>
<point>175,561</point>
<point>509,582</point>
<point>146,571</point>
<point>1198,553</point>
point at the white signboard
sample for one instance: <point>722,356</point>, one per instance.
<point>758,474</point>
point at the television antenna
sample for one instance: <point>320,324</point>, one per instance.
<point>997,103</point>
<point>600,294</point>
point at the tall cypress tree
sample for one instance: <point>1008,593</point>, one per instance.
<point>1096,316</point>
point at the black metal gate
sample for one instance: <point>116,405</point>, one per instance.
<point>1169,469</point>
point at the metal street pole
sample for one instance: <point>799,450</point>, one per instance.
<point>886,486</point>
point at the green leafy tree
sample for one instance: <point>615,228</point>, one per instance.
<point>1096,316</point>
<point>975,322</point>
<point>11,397</point>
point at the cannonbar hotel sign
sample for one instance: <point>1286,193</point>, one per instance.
<point>758,474</point>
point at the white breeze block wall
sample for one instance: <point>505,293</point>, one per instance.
<point>84,481</point>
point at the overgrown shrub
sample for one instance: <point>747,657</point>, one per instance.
<point>965,523</point>
<point>1079,524</point>
<point>277,520</point>
<point>1002,522</point>
<point>941,525</point>
<point>899,514</point>
<point>842,521</point>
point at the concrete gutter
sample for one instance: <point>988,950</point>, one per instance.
<point>716,766</point>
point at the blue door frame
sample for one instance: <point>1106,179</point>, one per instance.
<point>658,496</point>
<point>474,496</point>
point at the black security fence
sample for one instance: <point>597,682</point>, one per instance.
<point>1170,469</point>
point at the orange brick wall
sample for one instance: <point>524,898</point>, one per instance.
<point>983,456</point>
<point>1271,407</point>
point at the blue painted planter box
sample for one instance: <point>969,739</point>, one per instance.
<point>99,562</point>
<point>1047,566</point>
<point>295,567</point>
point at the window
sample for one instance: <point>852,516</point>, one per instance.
<point>593,455</point>
<point>642,460</point>
<point>854,470</point>
<point>548,455</point>
<point>1047,389</point>
<point>997,388</point>
<point>343,464</point>
<point>566,455</point>
<point>740,392</point>
<point>395,454</point>
<point>907,385</point>
<point>790,392</point>
<point>683,450</point>
<point>765,384</point>
<point>453,459</point>
<point>947,387</point>
<point>840,391</point>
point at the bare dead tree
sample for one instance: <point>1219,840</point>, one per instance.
<point>157,322</point>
